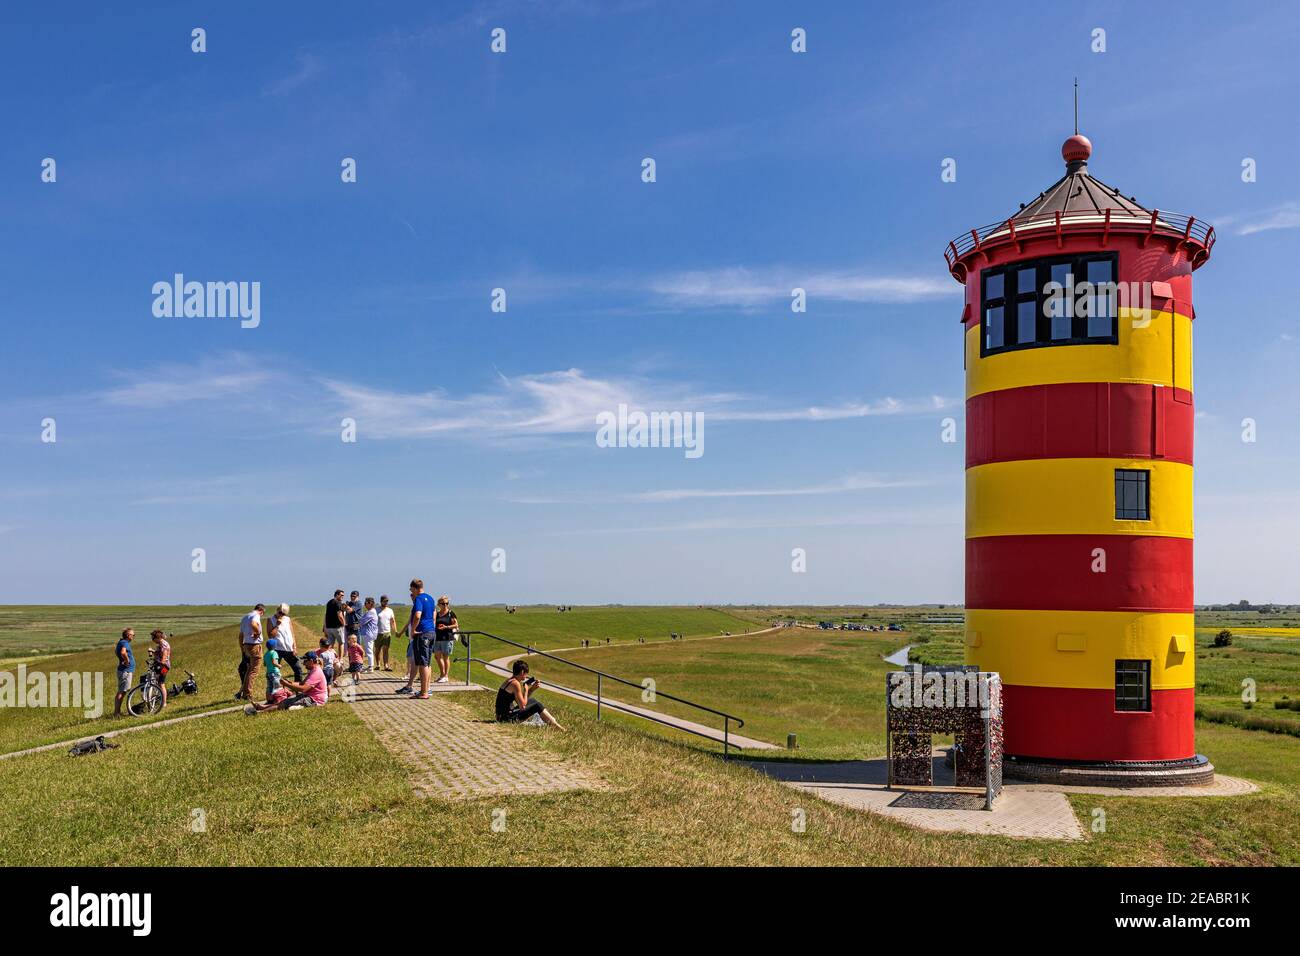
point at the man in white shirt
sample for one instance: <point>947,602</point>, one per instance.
<point>282,631</point>
<point>387,621</point>
<point>250,647</point>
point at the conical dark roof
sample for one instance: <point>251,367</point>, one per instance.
<point>1078,191</point>
<point>1079,203</point>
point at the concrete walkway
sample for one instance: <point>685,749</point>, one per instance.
<point>452,754</point>
<point>1025,810</point>
<point>502,666</point>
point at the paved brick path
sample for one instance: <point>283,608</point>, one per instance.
<point>453,754</point>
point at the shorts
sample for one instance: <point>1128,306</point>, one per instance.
<point>296,700</point>
<point>421,650</point>
<point>443,647</point>
<point>124,681</point>
<point>336,636</point>
<point>383,640</point>
<point>272,684</point>
<point>162,670</point>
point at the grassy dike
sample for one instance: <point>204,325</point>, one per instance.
<point>269,786</point>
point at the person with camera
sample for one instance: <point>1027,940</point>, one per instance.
<point>513,705</point>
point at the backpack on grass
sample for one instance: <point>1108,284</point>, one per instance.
<point>91,746</point>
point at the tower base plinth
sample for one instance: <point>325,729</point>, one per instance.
<point>1193,772</point>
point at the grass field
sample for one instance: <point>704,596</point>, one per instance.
<point>269,784</point>
<point>213,653</point>
<point>28,631</point>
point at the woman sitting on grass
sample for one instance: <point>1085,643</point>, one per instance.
<point>313,692</point>
<point>512,698</point>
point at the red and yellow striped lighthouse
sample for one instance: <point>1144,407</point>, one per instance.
<point>1078,347</point>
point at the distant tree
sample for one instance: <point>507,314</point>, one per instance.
<point>1223,638</point>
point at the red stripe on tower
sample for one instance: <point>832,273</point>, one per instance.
<point>1062,572</point>
<point>1079,420</point>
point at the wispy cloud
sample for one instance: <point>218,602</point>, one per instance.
<point>744,288</point>
<point>844,485</point>
<point>949,516</point>
<point>553,403</point>
<point>1284,215</point>
<point>567,402</point>
<point>307,66</point>
<point>234,374</point>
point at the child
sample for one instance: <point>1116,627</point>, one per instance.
<point>271,661</point>
<point>327,660</point>
<point>356,658</point>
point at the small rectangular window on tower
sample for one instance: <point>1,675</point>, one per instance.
<point>1132,494</point>
<point>1133,685</point>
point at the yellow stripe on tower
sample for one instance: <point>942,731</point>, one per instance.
<point>1080,648</point>
<point>1073,496</point>
<point>1154,348</point>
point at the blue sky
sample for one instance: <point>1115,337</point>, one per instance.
<point>522,170</point>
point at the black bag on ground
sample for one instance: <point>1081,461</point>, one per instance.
<point>91,746</point>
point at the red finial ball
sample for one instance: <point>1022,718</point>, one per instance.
<point>1076,149</point>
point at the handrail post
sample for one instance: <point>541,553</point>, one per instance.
<point>726,736</point>
<point>468,641</point>
<point>598,697</point>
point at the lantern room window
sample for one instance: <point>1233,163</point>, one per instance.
<point>1059,300</point>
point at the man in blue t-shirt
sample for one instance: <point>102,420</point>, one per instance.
<point>420,629</point>
<point>125,668</point>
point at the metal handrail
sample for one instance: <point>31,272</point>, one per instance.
<point>600,699</point>
<point>1185,228</point>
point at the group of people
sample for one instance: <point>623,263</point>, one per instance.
<point>160,664</point>
<point>356,639</point>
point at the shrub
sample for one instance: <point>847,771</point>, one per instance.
<point>1223,638</point>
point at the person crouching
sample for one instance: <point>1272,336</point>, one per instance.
<point>312,692</point>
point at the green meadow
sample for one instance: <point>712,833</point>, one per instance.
<point>319,778</point>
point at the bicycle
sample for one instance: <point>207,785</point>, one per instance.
<point>146,698</point>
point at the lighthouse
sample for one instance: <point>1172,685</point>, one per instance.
<point>1079,411</point>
